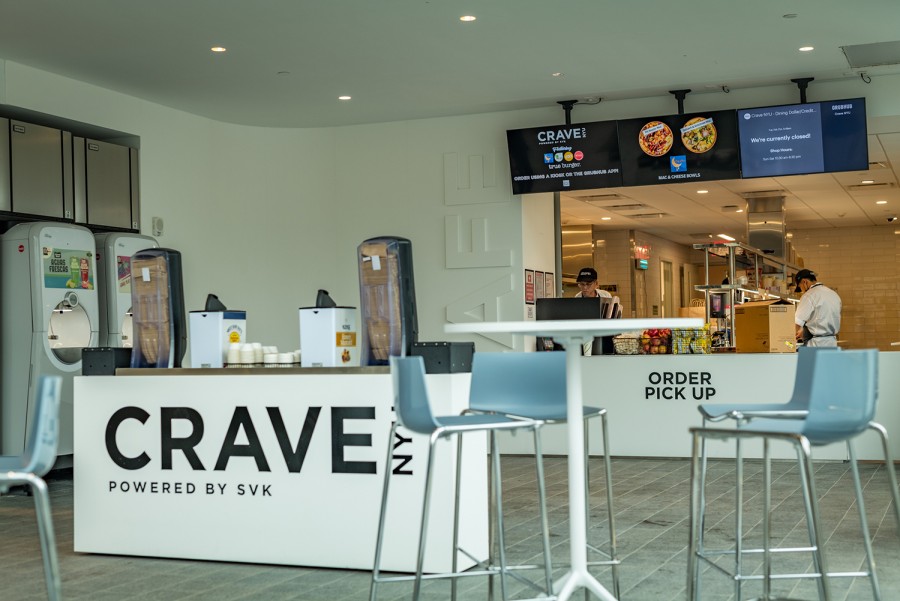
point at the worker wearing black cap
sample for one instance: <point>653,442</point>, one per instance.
<point>818,315</point>
<point>587,288</point>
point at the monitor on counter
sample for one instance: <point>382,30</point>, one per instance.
<point>679,148</point>
<point>571,308</point>
<point>557,158</point>
<point>816,137</point>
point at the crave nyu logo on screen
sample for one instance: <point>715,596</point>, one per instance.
<point>564,157</point>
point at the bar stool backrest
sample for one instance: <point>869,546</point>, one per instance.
<point>43,436</point>
<point>532,384</point>
<point>411,394</point>
<point>806,358</point>
<point>843,395</point>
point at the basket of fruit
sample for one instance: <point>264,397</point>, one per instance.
<point>689,341</point>
<point>656,342</point>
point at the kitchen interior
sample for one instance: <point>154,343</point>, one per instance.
<point>841,225</point>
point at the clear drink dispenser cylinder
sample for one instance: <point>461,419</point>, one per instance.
<point>387,299</point>
<point>157,301</point>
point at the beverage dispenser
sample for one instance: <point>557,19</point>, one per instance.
<point>387,299</point>
<point>49,314</point>
<point>157,301</point>
<point>114,251</point>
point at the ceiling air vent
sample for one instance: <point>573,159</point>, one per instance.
<point>602,197</point>
<point>647,216</point>
<point>701,235</point>
<point>875,186</point>
<point>635,206</point>
<point>872,55</point>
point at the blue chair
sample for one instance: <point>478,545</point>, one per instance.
<point>842,402</point>
<point>533,386</point>
<point>414,414</point>
<point>36,460</point>
<point>742,414</point>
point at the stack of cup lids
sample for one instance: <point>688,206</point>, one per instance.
<point>234,354</point>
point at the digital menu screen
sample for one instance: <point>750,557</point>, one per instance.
<point>564,157</point>
<point>679,148</point>
<point>817,137</point>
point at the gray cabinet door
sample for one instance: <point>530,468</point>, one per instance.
<point>108,184</point>
<point>36,169</point>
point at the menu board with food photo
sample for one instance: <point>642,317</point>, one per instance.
<point>679,148</point>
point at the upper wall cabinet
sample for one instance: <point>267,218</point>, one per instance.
<point>106,184</point>
<point>35,170</point>
<point>57,169</point>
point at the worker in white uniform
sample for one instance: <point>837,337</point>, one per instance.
<point>587,288</point>
<point>818,315</point>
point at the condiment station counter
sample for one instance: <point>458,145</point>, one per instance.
<point>285,465</point>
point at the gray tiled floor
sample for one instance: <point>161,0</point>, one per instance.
<point>651,498</point>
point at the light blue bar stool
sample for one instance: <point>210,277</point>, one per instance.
<point>414,414</point>
<point>26,470</point>
<point>742,413</point>
<point>842,401</point>
<point>533,386</point>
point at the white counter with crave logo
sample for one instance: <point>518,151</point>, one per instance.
<point>284,468</point>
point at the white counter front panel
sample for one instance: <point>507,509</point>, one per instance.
<point>282,469</point>
<point>652,402</point>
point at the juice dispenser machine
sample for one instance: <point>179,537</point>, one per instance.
<point>114,279</point>
<point>387,299</point>
<point>49,313</point>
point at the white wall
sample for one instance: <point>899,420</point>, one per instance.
<point>266,216</point>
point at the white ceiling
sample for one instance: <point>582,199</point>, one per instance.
<point>289,60</point>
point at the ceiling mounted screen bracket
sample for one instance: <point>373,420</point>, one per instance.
<point>802,84</point>
<point>680,95</point>
<point>567,107</point>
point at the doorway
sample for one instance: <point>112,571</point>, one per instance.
<point>665,287</point>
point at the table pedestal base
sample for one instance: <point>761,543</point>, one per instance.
<point>575,579</point>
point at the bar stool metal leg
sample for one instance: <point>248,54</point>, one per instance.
<point>864,522</point>
<point>379,537</point>
<point>45,528</point>
<point>889,467</point>
<point>610,513</point>
<point>818,552</point>
<point>695,519</point>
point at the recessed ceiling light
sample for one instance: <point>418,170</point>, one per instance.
<point>605,218</point>
<point>726,237</point>
<point>867,181</point>
<point>789,235</point>
<point>806,48</point>
<point>467,18</point>
<point>789,16</point>
<point>344,97</point>
<point>557,74</point>
<point>881,202</point>
<point>218,49</point>
<point>739,211</point>
<point>702,191</point>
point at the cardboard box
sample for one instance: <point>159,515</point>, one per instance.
<point>692,312</point>
<point>211,334</point>
<point>328,337</point>
<point>765,327</point>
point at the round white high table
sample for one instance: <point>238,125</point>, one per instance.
<point>572,334</point>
